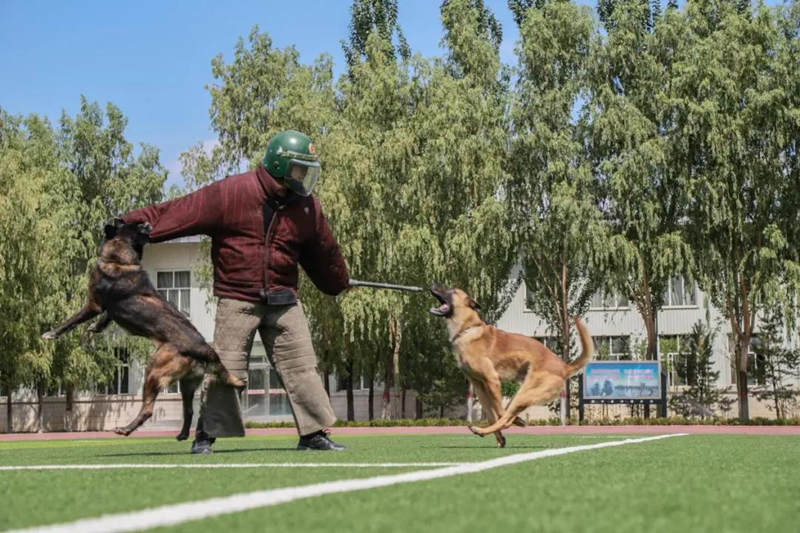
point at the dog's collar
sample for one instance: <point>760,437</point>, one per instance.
<point>463,332</point>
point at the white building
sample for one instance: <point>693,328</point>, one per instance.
<point>617,328</point>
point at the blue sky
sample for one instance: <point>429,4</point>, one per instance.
<point>153,59</point>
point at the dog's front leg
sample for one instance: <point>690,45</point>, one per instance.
<point>489,409</point>
<point>101,324</point>
<point>87,312</point>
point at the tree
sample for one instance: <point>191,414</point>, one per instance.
<point>636,167</point>
<point>737,143</point>
<point>702,394</point>
<point>27,151</point>
<point>415,135</point>
<point>550,190</point>
<point>378,16</point>
<point>59,187</point>
<point>779,364</point>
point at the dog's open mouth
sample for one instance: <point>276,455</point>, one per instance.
<point>442,310</point>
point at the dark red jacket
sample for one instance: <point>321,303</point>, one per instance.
<point>253,262</point>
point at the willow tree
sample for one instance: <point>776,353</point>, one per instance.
<point>550,190</point>
<point>456,230</point>
<point>60,185</point>
<point>420,147</point>
<point>26,152</point>
<point>637,168</point>
<point>736,107</point>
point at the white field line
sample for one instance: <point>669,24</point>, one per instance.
<point>185,512</point>
<point>222,465</point>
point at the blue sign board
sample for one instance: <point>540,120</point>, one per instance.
<point>622,380</point>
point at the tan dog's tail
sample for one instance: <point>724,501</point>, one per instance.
<point>588,348</point>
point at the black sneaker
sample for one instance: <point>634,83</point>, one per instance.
<point>202,444</point>
<point>318,441</point>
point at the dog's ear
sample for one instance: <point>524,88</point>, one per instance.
<point>472,303</point>
<point>111,228</point>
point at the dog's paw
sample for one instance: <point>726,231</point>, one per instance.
<point>520,422</point>
<point>475,431</point>
<point>122,431</point>
<point>183,435</point>
<point>49,336</point>
<point>501,442</point>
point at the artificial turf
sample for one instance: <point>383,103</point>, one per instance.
<point>691,483</point>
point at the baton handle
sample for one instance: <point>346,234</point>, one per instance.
<point>391,286</point>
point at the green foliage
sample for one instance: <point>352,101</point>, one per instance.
<point>57,188</point>
<point>379,16</point>
<point>557,224</point>
<point>703,394</point>
<point>736,137</point>
<point>780,365</point>
<point>636,167</point>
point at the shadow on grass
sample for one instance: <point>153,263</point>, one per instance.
<point>186,452</point>
<point>483,447</point>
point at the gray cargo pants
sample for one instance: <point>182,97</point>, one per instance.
<point>287,341</point>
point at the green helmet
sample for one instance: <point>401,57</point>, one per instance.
<point>291,157</point>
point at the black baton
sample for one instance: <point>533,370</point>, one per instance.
<point>375,285</point>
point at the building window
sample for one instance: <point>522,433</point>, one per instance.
<point>174,287</point>
<point>120,380</point>
<point>680,293</point>
<point>681,367</point>
<point>603,300</point>
<point>613,348</point>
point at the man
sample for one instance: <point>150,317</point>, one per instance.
<point>262,224</point>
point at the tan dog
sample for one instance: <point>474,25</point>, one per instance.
<point>488,355</point>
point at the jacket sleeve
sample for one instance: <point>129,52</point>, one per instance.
<point>196,213</point>
<point>322,259</point>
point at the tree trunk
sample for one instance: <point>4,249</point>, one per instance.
<point>741,391</point>
<point>326,382</point>
<point>396,361</point>
<point>68,407</point>
<point>371,407</point>
<point>775,396</point>
<point>386,411</point>
<point>741,381</point>
<point>403,403</point>
<point>418,413</point>
<point>39,410</point>
<point>652,337</point>
<point>351,415</point>
<point>390,407</point>
<point>9,411</point>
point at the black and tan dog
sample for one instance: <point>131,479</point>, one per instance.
<point>488,355</point>
<point>120,289</point>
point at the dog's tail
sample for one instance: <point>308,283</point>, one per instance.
<point>588,348</point>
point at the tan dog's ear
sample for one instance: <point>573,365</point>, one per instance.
<point>472,303</point>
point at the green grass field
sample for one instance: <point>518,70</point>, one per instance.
<point>683,484</point>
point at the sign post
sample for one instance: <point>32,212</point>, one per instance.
<point>623,382</point>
